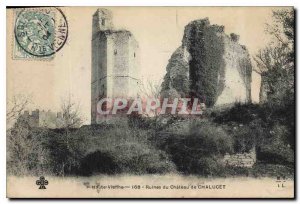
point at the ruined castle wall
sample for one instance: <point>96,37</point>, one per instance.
<point>134,64</point>
<point>99,71</point>
<point>237,74</point>
<point>101,24</point>
<point>102,20</point>
<point>240,159</point>
<point>134,56</point>
<point>47,119</point>
<point>115,64</point>
<point>42,118</point>
<point>177,76</point>
<point>122,65</point>
<point>218,68</point>
<point>109,65</point>
<point>264,90</point>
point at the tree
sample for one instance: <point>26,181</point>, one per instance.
<point>71,113</point>
<point>283,27</point>
<point>151,90</point>
<point>276,65</point>
<point>26,153</point>
<point>275,62</point>
<point>16,106</point>
<point>69,145</point>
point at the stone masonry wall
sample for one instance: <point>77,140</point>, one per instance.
<point>240,159</point>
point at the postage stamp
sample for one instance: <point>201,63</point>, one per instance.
<point>39,32</point>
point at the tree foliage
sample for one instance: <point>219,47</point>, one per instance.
<point>275,62</point>
<point>206,48</point>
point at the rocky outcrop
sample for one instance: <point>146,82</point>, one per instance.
<point>209,65</point>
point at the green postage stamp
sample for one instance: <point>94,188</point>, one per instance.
<point>39,32</point>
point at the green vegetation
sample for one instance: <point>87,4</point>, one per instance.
<point>275,62</point>
<point>196,146</point>
<point>206,48</point>
<point>90,150</point>
<point>143,146</point>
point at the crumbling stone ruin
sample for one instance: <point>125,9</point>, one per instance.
<point>209,65</point>
<point>42,118</point>
<point>240,159</point>
<point>264,89</point>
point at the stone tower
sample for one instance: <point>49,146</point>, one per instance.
<point>115,62</point>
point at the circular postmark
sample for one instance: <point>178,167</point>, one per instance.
<point>41,31</point>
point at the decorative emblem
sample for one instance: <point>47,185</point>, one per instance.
<point>42,182</point>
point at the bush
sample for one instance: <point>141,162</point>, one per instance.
<point>196,149</point>
<point>272,170</point>
<point>136,158</point>
<point>236,171</point>
<point>275,149</point>
<point>239,113</point>
<point>98,162</point>
<point>26,151</point>
<point>127,149</point>
<point>268,127</point>
<point>138,121</point>
<point>245,137</point>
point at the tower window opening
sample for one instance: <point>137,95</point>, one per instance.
<point>115,52</point>
<point>133,54</point>
<point>103,21</point>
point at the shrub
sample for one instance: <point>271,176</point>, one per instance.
<point>127,149</point>
<point>98,162</point>
<point>235,171</point>
<point>272,170</point>
<point>66,149</point>
<point>239,113</point>
<point>196,149</point>
<point>245,137</point>
<point>268,127</point>
<point>26,150</point>
<point>275,150</point>
<point>138,121</point>
<point>137,158</point>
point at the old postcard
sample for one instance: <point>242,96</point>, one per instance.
<point>150,102</point>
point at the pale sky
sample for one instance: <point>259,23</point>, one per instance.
<point>158,30</point>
